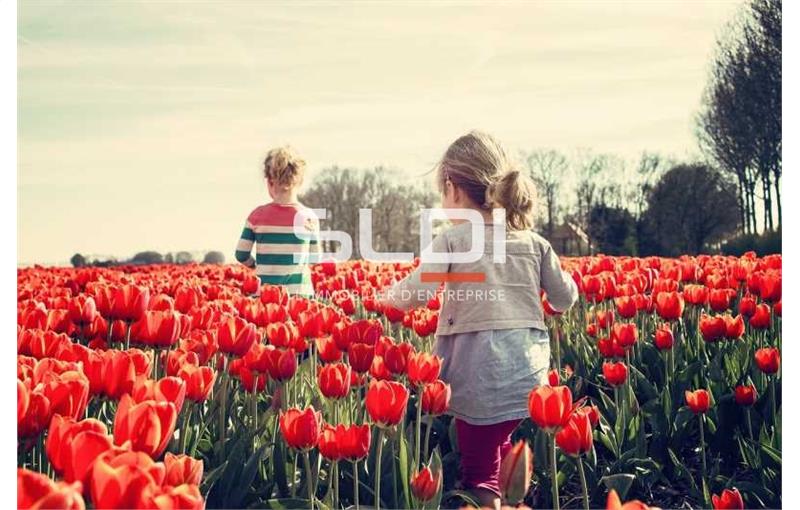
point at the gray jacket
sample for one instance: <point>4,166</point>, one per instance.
<point>508,298</point>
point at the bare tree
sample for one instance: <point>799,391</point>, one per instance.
<point>547,168</point>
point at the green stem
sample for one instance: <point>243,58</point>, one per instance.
<point>355,483</point>
<point>185,427</point>
<point>418,429</point>
<point>377,474</point>
<point>309,479</point>
<point>428,435</point>
<point>335,482</point>
<point>128,335</point>
<point>223,406</point>
<point>584,488</point>
<point>554,470</point>
<point>749,423</point>
<point>703,444</point>
<point>774,403</point>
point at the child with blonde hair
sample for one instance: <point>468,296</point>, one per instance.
<point>491,336</point>
<point>282,250</point>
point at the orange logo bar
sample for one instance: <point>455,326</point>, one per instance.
<point>453,277</point>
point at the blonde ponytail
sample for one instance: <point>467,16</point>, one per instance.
<point>514,192</point>
<point>284,167</point>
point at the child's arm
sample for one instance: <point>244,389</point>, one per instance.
<point>412,292</point>
<point>562,292</point>
<point>245,246</point>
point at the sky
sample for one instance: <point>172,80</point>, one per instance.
<point>143,125</point>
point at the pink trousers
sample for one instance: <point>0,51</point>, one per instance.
<point>482,449</point>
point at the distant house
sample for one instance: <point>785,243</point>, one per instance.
<point>569,239</point>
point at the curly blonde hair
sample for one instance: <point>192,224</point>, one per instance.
<point>284,167</point>
<point>477,164</point>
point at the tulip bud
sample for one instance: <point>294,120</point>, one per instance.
<point>516,470</point>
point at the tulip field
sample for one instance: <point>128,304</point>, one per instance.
<point>194,386</point>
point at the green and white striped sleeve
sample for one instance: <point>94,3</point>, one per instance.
<point>245,246</point>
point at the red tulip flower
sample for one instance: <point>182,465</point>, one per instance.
<point>122,481</point>
<point>235,336</point>
<point>745,395</point>
<point>734,327</point>
<point>768,360</point>
<point>147,425</point>
<point>334,380</point>
<point>698,401</point>
<point>762,317</point>
<point>327,350</point>
<point>626,307</point>
<point>625,334</point>
<point>72,446</point>
<point>615,373</point>
<point>436,398</point>
<point>328,443</point>
<point>664,338</point>
<point>360,356</point>
<point>669,305</point>
<point>386,402</point>
<point>423,368</point>
<point>720,299</point>
<point>575,438</point>
<point>37,491</point>
<point>166,389</point>
<point>354,441</point>
<point>516,470</point>
<point>747,305</point>
<point>182,469</point>
<point>550,406</point>
<point>425,485</point>
<point>186,496</point>
<point>613,503</point>
<point>396,357</point>
<point>282,363</point>
<point>712,327</point>
<point>301,429</point>
<point>129,302</point>
<point>728,499</point>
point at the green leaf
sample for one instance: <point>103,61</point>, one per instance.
<point>404,470</point>
<point>620,482</point>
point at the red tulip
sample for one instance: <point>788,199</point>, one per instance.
<point>728,499</point>
<point>664,338</point>
<point>423,368</point>
<point>353,441</point>
<point>199,382</point>
<point>698,401</point>
<point>36,417</point>
<point>327,350</point>
<point>626,307</point>
<point>712,328</point>
<point>301,429</point>
<point>334,380</point>
<point>119,373</point>
<point>360,356</point>
<point>575,438</point>
<point>186,496</point>
<point>516,470</point>
<point>182,469</point>
<point>23,400</point>
<point>615,373</point>
<point>745,395</point>
<point>747,305</point>
<point>425,485</point>
<point>67,392</point>
<point>625,334</point>
<point>386,402</point>
<point>282,363</point>
<point>720,299</point>
<point>734,326</point>
<point>552,377</point>
<point>768,360</point>
<point>328,443</point>
<point>166,389</point>
<point>610,348</point>
<point>82,309</point>
<point>669,305</point>
<point>762,318</point>
<point>235,336</point>
<point>396,357</point>
<point>770,286</point>
<point>147,425</point>
<point>436,398</point>
<point>37,491</point>
<point>70,456</point>
<point>550,406</point>
<point>614,503</point>
<point>129,303</point>
<point>121,481</point>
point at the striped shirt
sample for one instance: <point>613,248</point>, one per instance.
<point>271,228</point>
